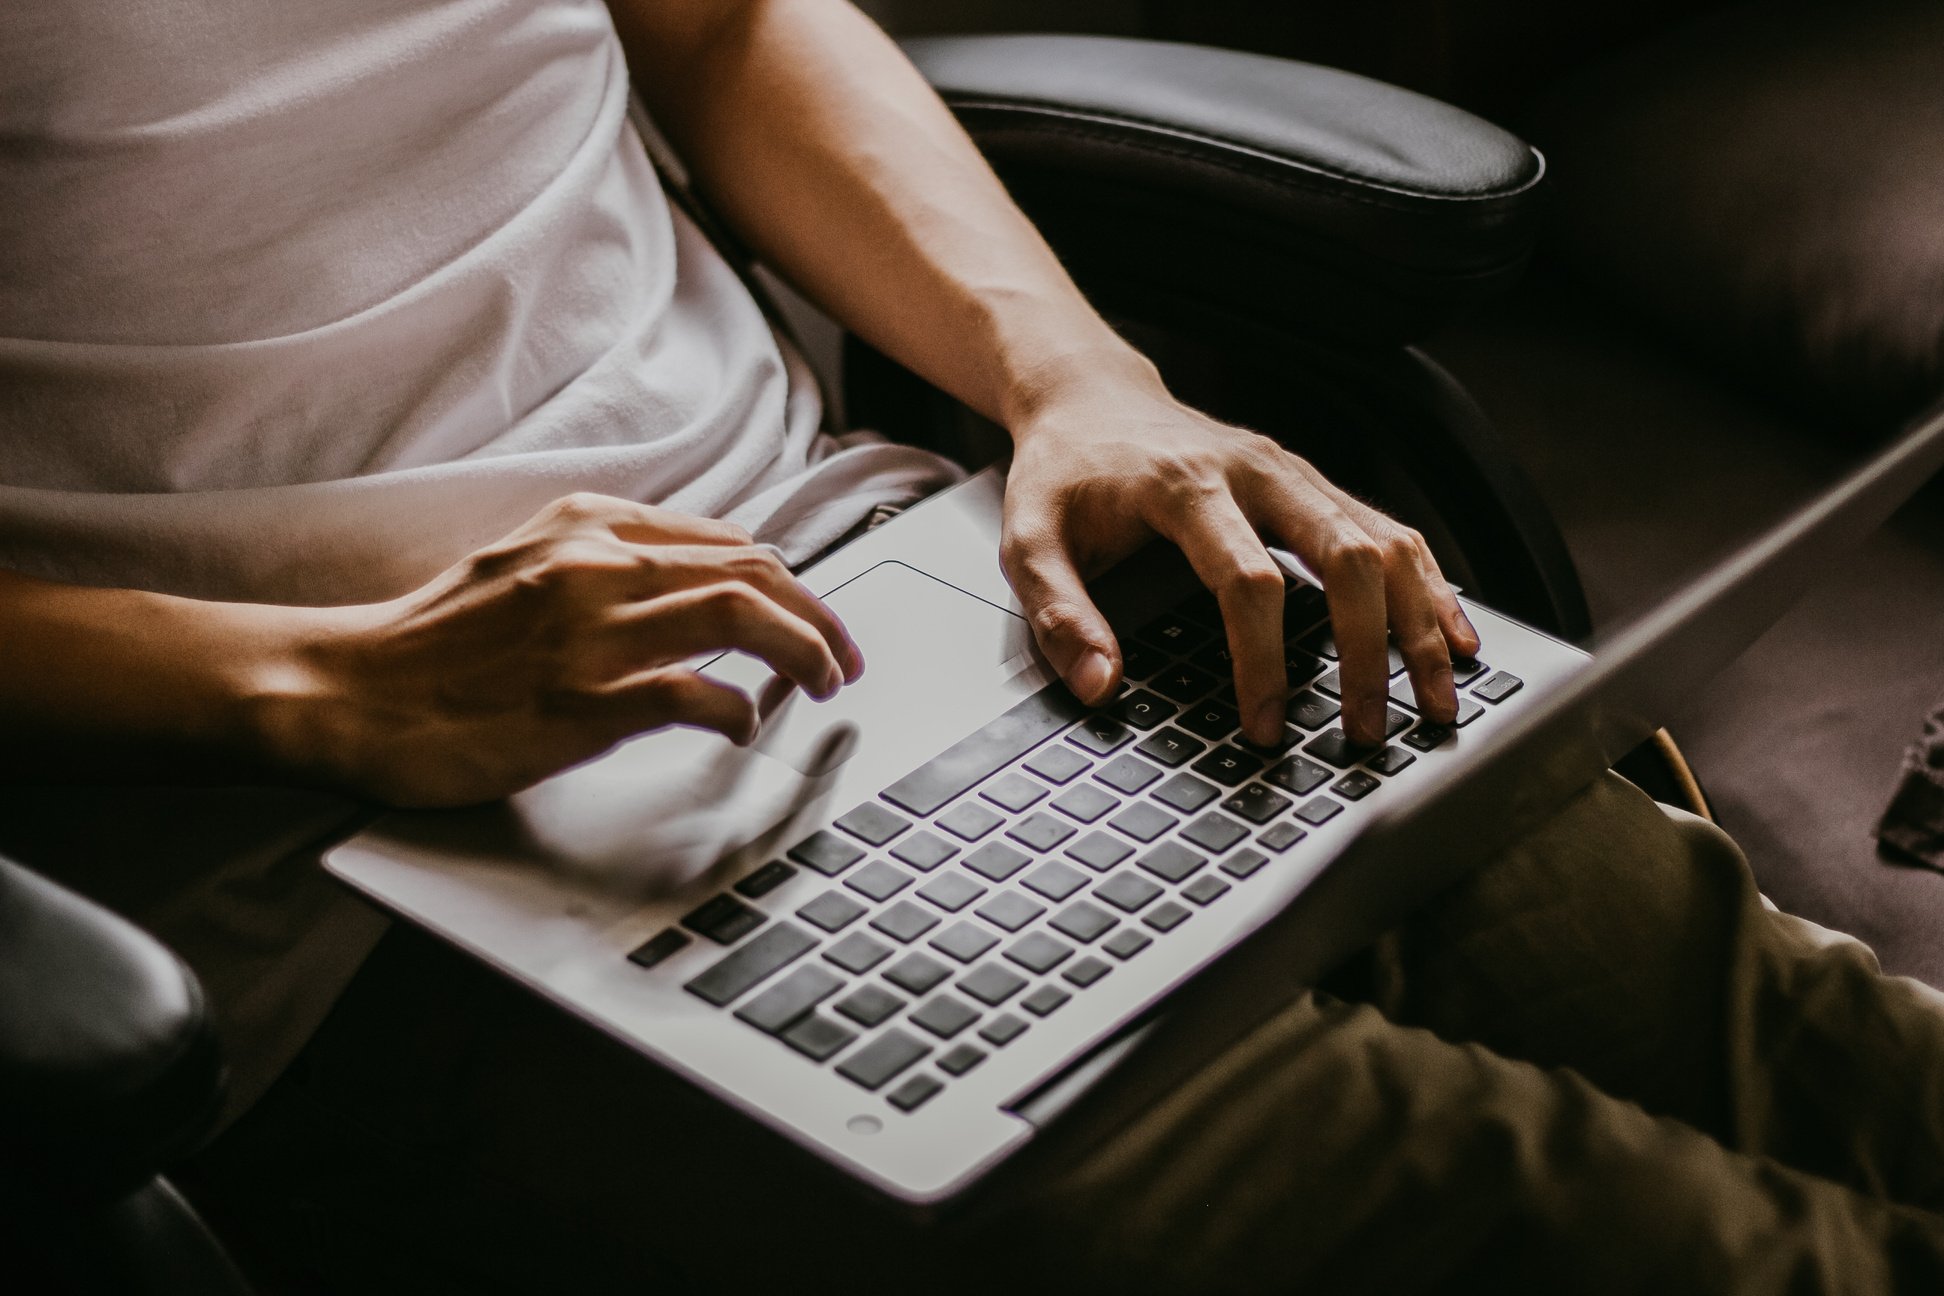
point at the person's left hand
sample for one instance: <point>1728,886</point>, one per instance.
<point>1097,474</point>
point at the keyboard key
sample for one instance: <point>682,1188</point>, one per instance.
<point>878,880</point>
<point>882,1059</point>
<point>1182,682</point>
<point>1330,683</point>
<point>1210,719</point>
<point>992,984</point>
<point>1228,766</point>
<point>964,941</point>
<point>1039,952</point>
<point>1058,764</point>
<point>943,1016</point>
<point>765,879</point>
<point>767,953</point>
<point>1280,837</point>
<point>961,1059</point>
<point>1402,693</point>
<point>917,973</point>
<point>832,911</point>
<point>1100,734</point>
<point>1318,810</point>
<point>1303,606</point>
<point>1054,880</point>
<point>914,1093</point>
<point>1356,785</point>
<point>975,758</point>
<point>1143,822</point>
<point>869,1005</point>
<point>970,821</point>
<point>1244,863</point>
<point>1040,831</point>
<point>1289,736</point>
<point>1012,792</point>
<point>1468,711</point>
<point>1322,643</point>
<point>858,953</point>
<point>658,947</point>
<point>1501,685</point>
<point>826,852</point>
<point>1127,774</point>
<point>951,891</point>
<point>1010,910</point>
<point>1045,1000</point>
<point>923,850</point>
<point>1336,748</point>
<point>1083,920</point>
<point>723,919</point>
<point>1201,608</point>
<point>1311,710</point>
<point>1002,1030</point>
<point>1298,775</point>
<point>1185,793</point>
<point>1174,634</point>
<point>1126,943</point>
<point>1085,802</point>
<point>1465,670</point>
<point>790,998</point>
<point>1427,736</point>
<point>1206,889</point>
<point>818,1038</point>
<point>1138,661</point>
<point>1256,803</point>
<point>905,922</point>
<point>1171,747</point>
<point>1166,916</point>
<point>873,824</point>
<point>1171,861</point>
<point>1214,832</point>
<point>1127,891</point>
<point>1299,667</point>
<point>1086,970</point>
<point>1143,709</point>
<point>996,861</point>
<point>1099,852</point>
<point>1390,760</point>
<point>1395,722</point>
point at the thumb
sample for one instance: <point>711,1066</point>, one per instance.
<point>1068,627</point>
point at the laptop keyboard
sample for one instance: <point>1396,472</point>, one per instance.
<point>981,892</point>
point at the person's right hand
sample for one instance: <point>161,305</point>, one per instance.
<point>546,649</point>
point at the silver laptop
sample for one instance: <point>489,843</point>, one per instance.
<point>911,924</point>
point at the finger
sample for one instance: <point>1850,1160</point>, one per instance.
<point>1231,560</point>
<point>1461,637</point>
<point>763,569</point>
<point>1068,627</point>
<point>1319,530</point>
<point>656,698</point>
<point>1410,590</point>
<point>731,615</point>
<point>643,523</point>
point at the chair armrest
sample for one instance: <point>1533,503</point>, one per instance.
<point>109,1064</point>
<point>1299,196</point>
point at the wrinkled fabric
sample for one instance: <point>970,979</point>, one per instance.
<point>1600,1064</point>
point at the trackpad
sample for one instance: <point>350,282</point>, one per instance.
<point>932,656</point>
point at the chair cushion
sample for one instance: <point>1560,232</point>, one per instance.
<point>1768,183</point>
<point>1211,179</point>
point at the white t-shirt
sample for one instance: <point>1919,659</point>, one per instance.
<point>301,302</point>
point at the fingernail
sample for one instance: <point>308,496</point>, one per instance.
<point>1091,675</point>
<point>856,669</point>
<point>832,682</point>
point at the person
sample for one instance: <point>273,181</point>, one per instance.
<point>375,428</point>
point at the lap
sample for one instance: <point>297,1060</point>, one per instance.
<point>1485,1109</point>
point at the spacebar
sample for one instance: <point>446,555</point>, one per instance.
<point>986,752</point>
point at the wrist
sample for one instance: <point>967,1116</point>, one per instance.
<point>1101,371</point>
<point>292,695</point>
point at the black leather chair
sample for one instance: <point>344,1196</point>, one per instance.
<point>1275,234</point>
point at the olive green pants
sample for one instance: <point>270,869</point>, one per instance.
<point>1600,1064</point>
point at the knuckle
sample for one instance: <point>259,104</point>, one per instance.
<point>1059,621</point>
<point>1252,578</point>
<point>1356,555</point>
<point>580,506</point>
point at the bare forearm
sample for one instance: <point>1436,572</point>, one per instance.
<point>834,160</point>
<point>103,684</point>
